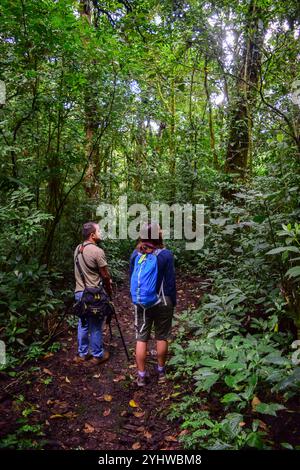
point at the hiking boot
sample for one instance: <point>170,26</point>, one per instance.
<point>141,381</point>
<point>161,377</point>
<point>99,360</point>
<point>81,359</point>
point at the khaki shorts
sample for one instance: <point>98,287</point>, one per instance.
<point>159,315</point>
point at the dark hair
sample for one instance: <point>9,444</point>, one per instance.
<point>150,238</point>
<point>87,229</point>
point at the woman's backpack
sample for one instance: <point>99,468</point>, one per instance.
<point>144,279</point>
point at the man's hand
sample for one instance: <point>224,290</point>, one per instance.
<point>110,288</point>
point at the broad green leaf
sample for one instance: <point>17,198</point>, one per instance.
<point>286,445</point>
<point>230,398</point>
<point>210,362</point>
<point>276,358</point>
<point>254,439</point>
<point>236,366</point>
<point>269,408</point>
<point>293,272</point>
<point>231,424</point>
<point>282,249</point>
<point>206,384</point>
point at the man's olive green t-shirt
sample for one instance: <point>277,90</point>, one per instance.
<point>94,258</point>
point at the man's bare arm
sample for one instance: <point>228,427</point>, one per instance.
<point>107,281</point>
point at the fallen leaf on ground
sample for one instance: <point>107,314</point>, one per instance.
<point>136,446</point>
<point>133,404</point>
<point>107,397</point>
<point>262,425</point>
<point>106,412</point>
<point>96,376</point>
<point>118,378</point>
<point>49,354</point>
<point>88,428</point>
<point>139,414</point>
<point>70,415</point>
<point>170,439</point>
<point>62,405</point>
<point>67,380</point>
<point>147,435</point>
<point>47,371</point>
<point>256,401</point>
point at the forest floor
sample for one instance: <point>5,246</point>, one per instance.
<point>97,407</point>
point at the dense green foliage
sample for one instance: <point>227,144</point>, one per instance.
<point>236,346</point>
<point>173,101</point>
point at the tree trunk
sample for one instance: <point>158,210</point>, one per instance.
<point>172,146</point>
<point>90,182</point>
<point>243,103</point>
<point>210,119</point>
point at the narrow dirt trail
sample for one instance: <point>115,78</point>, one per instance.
<point>101,407</point>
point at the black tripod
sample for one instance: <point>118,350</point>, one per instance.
<point>114,314</point>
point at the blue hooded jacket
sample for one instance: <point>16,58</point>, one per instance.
<point>166,272</point>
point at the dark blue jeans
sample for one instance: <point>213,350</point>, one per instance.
<point>90,335</point>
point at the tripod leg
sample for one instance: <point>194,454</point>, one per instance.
<point>110,330</point>
<point>122,337</point>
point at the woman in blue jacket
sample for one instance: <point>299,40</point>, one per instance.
<point>159,315</point>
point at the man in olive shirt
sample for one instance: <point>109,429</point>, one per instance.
<point>94,267</point>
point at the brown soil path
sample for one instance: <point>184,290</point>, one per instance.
<point>99,407</point>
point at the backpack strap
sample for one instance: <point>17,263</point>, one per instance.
<point>80,252</point>
<point>157,251</point>
<point>79,267</point>
<point>89,267</point>
<point>161,292</point>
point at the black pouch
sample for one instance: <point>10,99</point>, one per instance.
<point>95,302</point>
